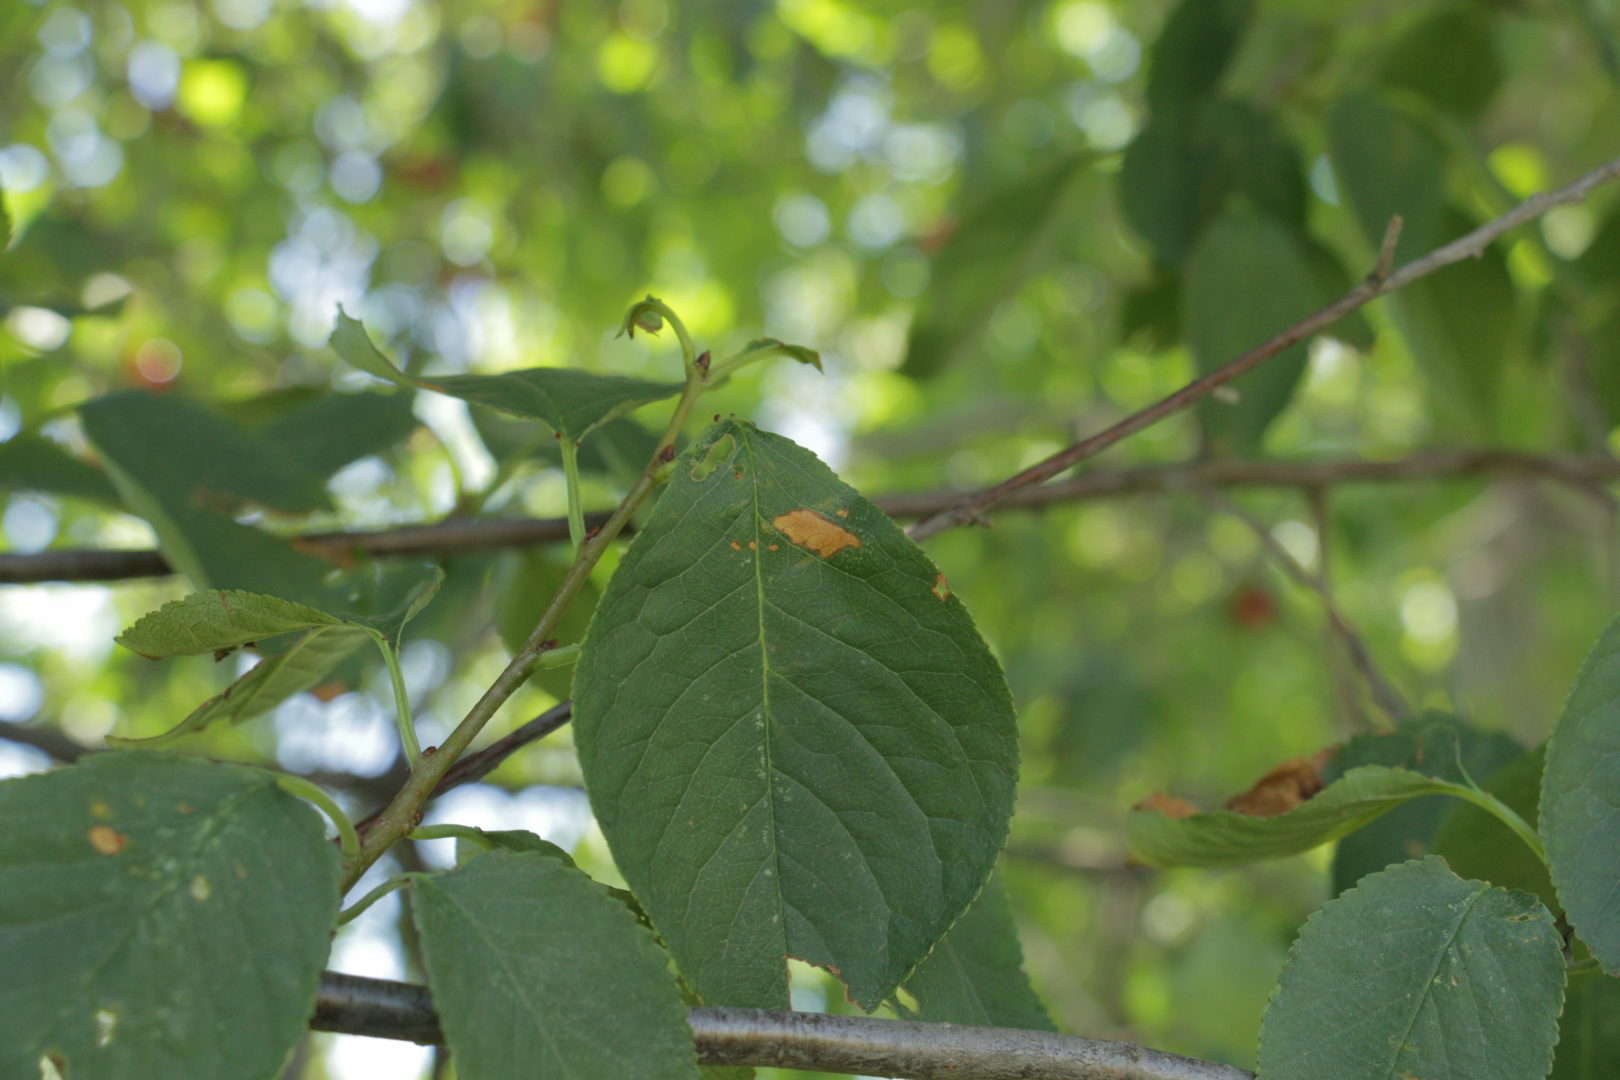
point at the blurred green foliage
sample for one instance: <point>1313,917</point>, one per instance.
<point>1002,224</point>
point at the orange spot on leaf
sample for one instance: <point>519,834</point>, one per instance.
<point>942,588</point>
<point>107,840</point>
<point>1168,805</point>
<point>752,546</point>
<point>843,513</point>
<point>809,529</point>
<point>736,546</point>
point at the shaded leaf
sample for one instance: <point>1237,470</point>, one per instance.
<point>1589,1032</point>
<point>1416,972</point>
<point>1387,164</point>
<point>1246,281</point>
<point>1224,838</point>
<point>525,592</point>
<point>1193,50</point>
<point>1258,158</point>
<point>569,401</point>
<point>536,971</point>
<point>509,840</point>
<point>159,916</point>
<point>1332,281</point>
<point>1477,845</point>
<point>1579,792</point>
<point>975,975</point>
<point>1450,57</point>
<point>619,448</point>
<point>335,429</point>
<point>794,744</point>
<point>1171,183</point>
<point>34,463</point>
<point>1001,241</point>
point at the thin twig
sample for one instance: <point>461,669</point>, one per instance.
<point>815,1042</point>
<point>1386,250</point>
<point>1586,471</point>
<point>1470,245</point>
<point>1381,689</point>
<point>48,740</point>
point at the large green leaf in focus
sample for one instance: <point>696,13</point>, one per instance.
<point>1434,745</point>
<point>1589,1031</point>
<point>1246,281</point>
<point>1225,838</point>
<point>793,737</point>
<point>1193,51</point>
<point>159,917</point>
<point>537,971</point>
<point>975,975</point>
<point>1388,164</point>
<point>1000,242</point>
<point>1418,973</point>
<point>187,472</point>
<point>569,401</point>
<point>207,622</point>
<point>1579,793</point>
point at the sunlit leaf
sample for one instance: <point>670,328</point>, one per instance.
<point>1579,792</point>
<point>793,737</point>
<point>537,971</point>
<point>569,401</point>
<point>1416,972</point>
<point>159,916</point>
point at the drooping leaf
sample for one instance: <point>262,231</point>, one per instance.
<point>305,665</point>
<point>536,971</point>
<point>1579,792</point>
<point>975,975</point>
<point>186,472</point>
<point>1477,845</point>
<point>1449,57</point>
<point>1388,164</point>
<point>1589,1032</point>
<point>1434,745</point>
<point>1225,838</point>
<point>1418,973</point>
<point>335,429</point>
<point>569,401</point>
<point>792,735</point>
<point>619,448</point>
<point>1001,241</point>
<point>32,463</point>
<point>1247,280</point>
<point>159,916</point>
<point>206,622</point>
<point>1193,51</point>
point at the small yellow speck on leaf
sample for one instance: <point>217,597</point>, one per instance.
<point>809,529</point>
<point>100,809</point>
<point>752,546</point>
<point>108,841</point>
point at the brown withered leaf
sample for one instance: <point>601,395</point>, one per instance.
<point>1284,787</point>
<point>1168,805</point>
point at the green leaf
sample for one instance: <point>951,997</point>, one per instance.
<point>536,971</point>
<point>206,622</point>
<point>187,471</point>
<point>1434,745</point>
<point>793,737</point>
<point>1003,239</point>
<point>402,594</point>
<point>1246,281</point>
<point>304,666</point>
<point>159,916</point>
<point>33,463</point>
<point>1225,838</point>
<point>1172,181</point>
<point>1388,164</point>
<point>1589,1033</point>
<point>1332,282</point>
<point>509,840</point>
<point>975,975</point>
<point>568,401</point>
<point>1450,58</point>
<point>1477,845</point>
<point>1579,793</point>
<point>335,429</point>
<point>524,594</point>
<point>1193,51</point>
<point>1418,973</point>
<point>1259,159</point>
<point>618,449</point>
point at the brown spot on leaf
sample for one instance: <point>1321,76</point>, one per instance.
<point>329,691</point>
<point>753,546</point>
<point>942,588</point>
<point>1283,788</point>
<point>809,529</point>
<point>843,513</point>
<point>736,546</point>
<point>1168,805</point>
<point>107,840</point>
<point>771,547</point>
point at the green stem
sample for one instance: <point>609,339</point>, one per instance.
<point>348,839</point>
<point>562,657</point>
<point>576,509</point>
<point>451,832</point>
<point>402,701</point>
<point>401,813</point>
<point>358,908</point>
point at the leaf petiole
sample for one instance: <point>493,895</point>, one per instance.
<point>576,509</point>
<point>348,839</point>
<point>358,908</point>
<point>402,700</point>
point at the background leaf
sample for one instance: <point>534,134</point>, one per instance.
<point>1193,51</point>
<point>1475,844</point>
<point>1449,57</point>
<point>159,916</point>
<point>780,763</point>
<point>1579,791</point>
<point>1415,972</point>
<point>535,970</point>
<point>975,975</point>
<point>31,463</point>
<point>1589,1031</point>
<point>1388,164</point>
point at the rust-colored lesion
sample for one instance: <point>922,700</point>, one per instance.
<point>107,840</point>
<point>810,530</point>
